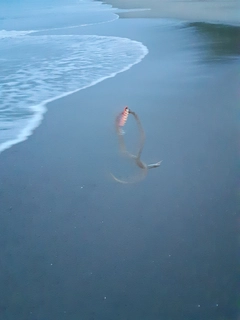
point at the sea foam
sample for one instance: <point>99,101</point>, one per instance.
<point>38,69</point>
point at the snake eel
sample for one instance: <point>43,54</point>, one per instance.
<point>119,123</point>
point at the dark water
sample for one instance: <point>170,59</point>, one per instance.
<point>75,245</point>
<point>222,42</point>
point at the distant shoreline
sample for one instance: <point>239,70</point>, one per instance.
<point>194,11</point>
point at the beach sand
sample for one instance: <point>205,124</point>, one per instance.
<point>76,245</point>
<point>216,11</point>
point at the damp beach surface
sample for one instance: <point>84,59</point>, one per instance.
<point>77,245</point>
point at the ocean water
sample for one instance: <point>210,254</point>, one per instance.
<point>74,244</point>
<point>37,69</point>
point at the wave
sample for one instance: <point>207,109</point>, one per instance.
<point>84,25</point>
<point>15,33</point>
<point>41,69</point>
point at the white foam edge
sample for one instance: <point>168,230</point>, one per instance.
<point>16,33</point>
<point>41,108</point>
<point>133,10</point>
<point>81,25</point>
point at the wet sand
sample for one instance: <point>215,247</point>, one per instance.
<point>76,245</point>
<point>216,11</point>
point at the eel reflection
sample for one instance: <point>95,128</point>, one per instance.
<point>120,122</point>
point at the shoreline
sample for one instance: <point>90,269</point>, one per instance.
<point>42,108</point>
<point>143,12</point>
<point>68,240</point>
<point>216,12</point>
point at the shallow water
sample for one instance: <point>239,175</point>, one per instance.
<point>38,69</point>
<point>76,245</point>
